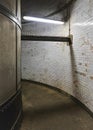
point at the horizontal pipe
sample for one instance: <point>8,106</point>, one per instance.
<point>45,38</point>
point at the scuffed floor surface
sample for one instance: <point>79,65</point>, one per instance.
<point>46,109</point>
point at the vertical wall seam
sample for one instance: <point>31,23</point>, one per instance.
<point>16,47</point>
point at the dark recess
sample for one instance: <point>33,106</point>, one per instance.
<point>11,113</point>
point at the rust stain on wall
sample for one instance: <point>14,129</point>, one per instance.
<point>81,73</point>
<point>83,54</point>
<point>86,70</point>
<point>86,64</point>
<point>76,86</point>
<point>91,48</point>
<point>75,82</point>
<point>91,77</point>
<point>80,63</point>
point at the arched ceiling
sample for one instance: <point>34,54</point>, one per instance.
<point>42,8</point>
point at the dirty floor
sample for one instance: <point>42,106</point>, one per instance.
<point>46,109</point>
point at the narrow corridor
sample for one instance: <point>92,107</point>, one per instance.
<point>46,109</point>
<point>42,43</point>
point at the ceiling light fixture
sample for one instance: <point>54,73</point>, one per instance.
<point>28,18</point>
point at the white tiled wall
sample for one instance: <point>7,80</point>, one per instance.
<point>69,68</point>
<point>82,30</point>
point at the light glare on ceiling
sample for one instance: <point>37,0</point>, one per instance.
<point>28,18</point>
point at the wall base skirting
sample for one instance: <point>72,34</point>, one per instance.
<point>63,92</point>
<point>11,113</point>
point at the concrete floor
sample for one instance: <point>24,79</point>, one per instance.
<point>46,109</point>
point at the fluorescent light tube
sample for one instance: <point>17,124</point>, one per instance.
<point>28,18</point>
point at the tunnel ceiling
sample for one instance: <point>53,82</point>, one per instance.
<point>43,8</point>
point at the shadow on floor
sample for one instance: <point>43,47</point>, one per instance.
<point>46,109</point>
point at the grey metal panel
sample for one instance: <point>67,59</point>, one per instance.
<point>18,57</point>
<point>10,4</point>
<point>7,59</point>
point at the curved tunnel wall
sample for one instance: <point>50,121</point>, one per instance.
<point>10,46</point>
<point>69,68</point>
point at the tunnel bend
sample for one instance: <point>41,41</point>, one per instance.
<point>51,64</point>
<point>67,68</point>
